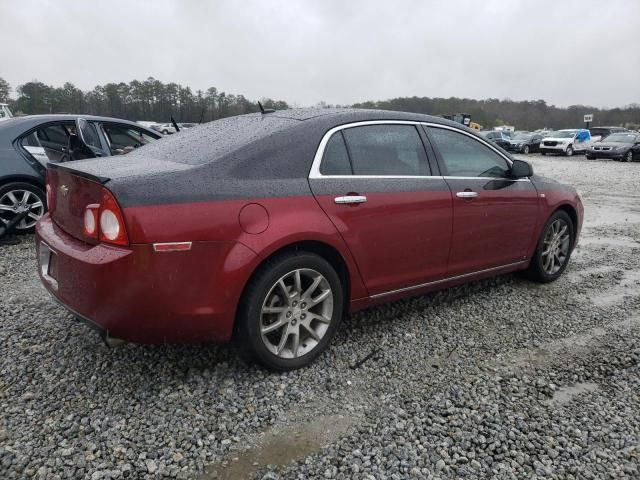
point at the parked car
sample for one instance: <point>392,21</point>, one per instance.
<point>524,142</point>
<point>28,144</point>
<point>598,133</point>
<point>501,138</point>
<point>187,125</point>
<point>618,146</point>
<point>5,113</point>
<point>566,142</point>
<point>164,128</point>
<point>269,227</point>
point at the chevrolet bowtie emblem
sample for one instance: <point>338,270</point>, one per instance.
<point>64,190</point>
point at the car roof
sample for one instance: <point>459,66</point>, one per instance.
<point>16,125</point>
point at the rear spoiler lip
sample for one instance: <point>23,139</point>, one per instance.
<point>79,173</point>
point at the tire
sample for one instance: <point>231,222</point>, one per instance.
<point>540,268</point>
<point>569,151</point>
<point>165,132</point>
<point>629,156</point>
<point>296,320</point>
<point>15,194</point>
<point>525,150</point>
<point>543,153</point>
<point>589,157</point>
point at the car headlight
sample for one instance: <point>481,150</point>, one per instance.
<point>621,148</point>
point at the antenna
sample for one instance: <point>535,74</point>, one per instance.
<point>265,110</point>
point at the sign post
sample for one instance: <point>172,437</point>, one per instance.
<point>587,120</point>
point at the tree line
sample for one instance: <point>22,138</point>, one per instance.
<point>149,100</point>
<point>154,100</point>
<point>524,115</point>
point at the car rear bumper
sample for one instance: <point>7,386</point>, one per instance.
<point>614,155</point>
<point>139,295</point>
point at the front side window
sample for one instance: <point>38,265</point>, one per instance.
<point>90,134</point>
<point>123,139</point>
<point>386,150</point>
<point>464,156</point>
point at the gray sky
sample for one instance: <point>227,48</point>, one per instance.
<point>565,52</point>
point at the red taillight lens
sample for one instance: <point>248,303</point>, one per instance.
<point>112,228</point>
<point>90,229</point>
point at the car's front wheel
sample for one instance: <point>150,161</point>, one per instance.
<point>569,151</point>
<point>629,156</point>
<point>290,310</point>
<point>553,249</point>
<point>18,197</point>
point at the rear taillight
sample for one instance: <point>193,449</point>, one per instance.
<point>104,221</point>
<point>90,228</point>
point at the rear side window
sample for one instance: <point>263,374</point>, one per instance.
<point>386,150</point>
<point>464,156</point>
<point>336,158</point>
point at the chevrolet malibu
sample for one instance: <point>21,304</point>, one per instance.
<point>268,228</point>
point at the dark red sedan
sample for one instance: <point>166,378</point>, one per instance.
<point>268,228</point>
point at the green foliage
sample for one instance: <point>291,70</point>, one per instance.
<point>153,100</point>
<point>5,90</point>
<point>149,100</point>
<point>524,115</point>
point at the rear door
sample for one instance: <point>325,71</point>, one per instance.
<point>494,216</point>
<point>376,184</point>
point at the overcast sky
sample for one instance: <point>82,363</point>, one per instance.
<point>565,52</point>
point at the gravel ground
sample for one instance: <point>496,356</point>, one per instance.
<point>500,378</point>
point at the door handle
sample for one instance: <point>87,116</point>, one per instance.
<point>467,194</point>
<point>350,199</point>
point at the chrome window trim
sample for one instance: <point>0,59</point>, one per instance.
<point>317,159</point>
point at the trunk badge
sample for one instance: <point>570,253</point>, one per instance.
<point>64,190</point>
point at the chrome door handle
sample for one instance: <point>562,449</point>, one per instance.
<point>467,194</point>
<point>350,199</point>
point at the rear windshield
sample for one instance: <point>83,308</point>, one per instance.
<point>211,141</point>
<point>621,138</point>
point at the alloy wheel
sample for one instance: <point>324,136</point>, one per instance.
<point>556,243</point>
<point>569,151</point>
<point>526,150</point>
<point>18,201</point>
<point>296,313</point>
<point>629,156</point>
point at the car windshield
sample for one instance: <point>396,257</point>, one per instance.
<point>523,136</point>
<point>563,134</point>
<point>621,138</point>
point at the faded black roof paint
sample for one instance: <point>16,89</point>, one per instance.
<point>248,156</point>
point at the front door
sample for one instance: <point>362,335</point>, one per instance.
<point>493,215</point>
<point>375,184</point>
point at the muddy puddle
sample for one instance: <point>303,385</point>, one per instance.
<point>281,446</point>
<point>564,395</point>
<point>629,286</point>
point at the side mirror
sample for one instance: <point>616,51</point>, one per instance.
<point>521,169</point>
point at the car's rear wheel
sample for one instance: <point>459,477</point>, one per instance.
<point>290,310</point>
<point>569,151</point>
<point>16,198</point>
<point>525,150</point>
<point>629,156</point>
<point>553,249</point>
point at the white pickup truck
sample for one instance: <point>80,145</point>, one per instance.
<point>566,142</point>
